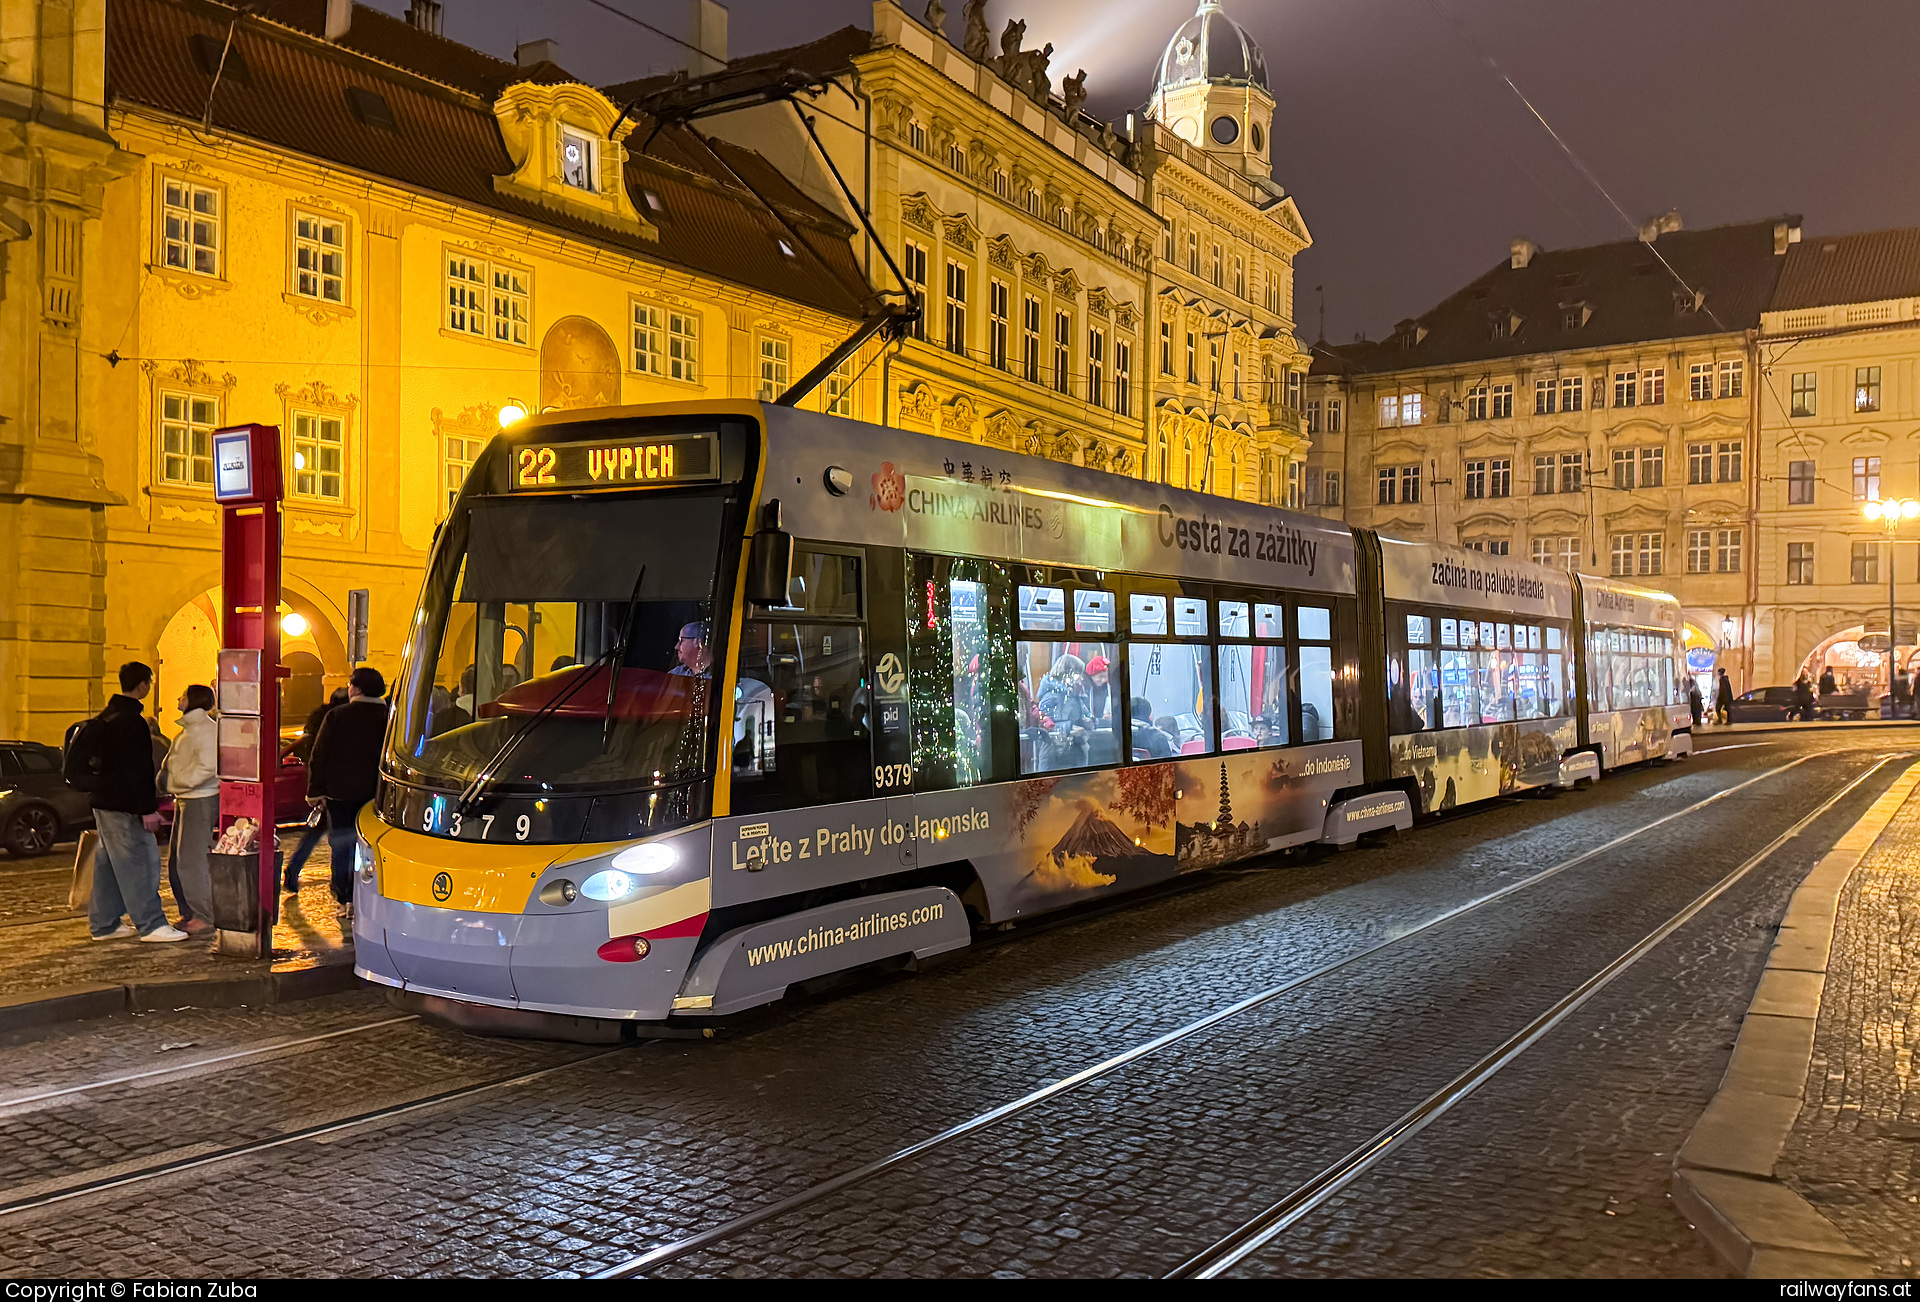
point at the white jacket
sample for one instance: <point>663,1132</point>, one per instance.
<point>190,764</point>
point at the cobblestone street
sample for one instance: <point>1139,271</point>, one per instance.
<point>577,1157</point>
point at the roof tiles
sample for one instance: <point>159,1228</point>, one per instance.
<point>1865,268</point>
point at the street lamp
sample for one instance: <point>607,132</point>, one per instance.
<point>1890,512</point>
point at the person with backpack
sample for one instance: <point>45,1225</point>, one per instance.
<point>111,757</point>
<point>344,771</point>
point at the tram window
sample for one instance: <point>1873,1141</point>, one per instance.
<point>1449,632</point>
<point>1486,633</point>
<point>1503,636</point>
<point>1266,620</point>
<point>1315,623</point>
<point>1492,670</point>
<point>1553,638</point>
<point>1233,619</point>
<point>1533,637</point>
<point>1460,700</point>
<point>972,707</point>
<point>1253,697</point>
<point>1066,705</point>
<point>1093,612</point>
<point>1176,681</point>
<point>800,732</point>
<point>824,583</point>
<point>1467,634</point>
<point>1419,630</point>
<point>1147,615</point>
<point>1316,693</point>
<point>1422,689</point>
<point>1042,610</point>
<point>1189,617</point>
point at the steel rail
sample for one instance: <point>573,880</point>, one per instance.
<point>106,1184</point>
<point>670,1251</point>
<point>1262,1229</point>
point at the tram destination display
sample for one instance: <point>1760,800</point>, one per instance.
<point>614,463</point>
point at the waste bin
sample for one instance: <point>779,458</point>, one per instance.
<point>236,890</point>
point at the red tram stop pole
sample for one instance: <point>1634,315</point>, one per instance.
<point>247,485</point>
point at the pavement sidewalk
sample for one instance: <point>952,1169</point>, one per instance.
<point>52,971</point>
<point>1807,1161</point>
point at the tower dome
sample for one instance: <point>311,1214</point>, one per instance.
<point>1211,47</point>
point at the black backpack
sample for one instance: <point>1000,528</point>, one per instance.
<point>84,761</point>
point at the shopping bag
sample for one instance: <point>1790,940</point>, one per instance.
<point>80,894</point>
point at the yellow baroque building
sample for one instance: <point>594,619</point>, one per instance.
<point>344,225</point>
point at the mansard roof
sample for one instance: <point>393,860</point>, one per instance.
<point>1866,268</point>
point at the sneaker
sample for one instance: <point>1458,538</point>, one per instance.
<point>120,932</point>
<point>163,933</point>
<point>197,927</point>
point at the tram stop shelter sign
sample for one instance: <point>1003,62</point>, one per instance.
<point>247,484</point>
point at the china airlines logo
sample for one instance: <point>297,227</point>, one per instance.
<point>889,488</point>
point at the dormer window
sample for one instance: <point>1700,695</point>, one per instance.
<point>786,249</point>
<point>1573,316</point>
<point>653,201</point>
<point>576,160</point>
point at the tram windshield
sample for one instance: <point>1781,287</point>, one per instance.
<point>566,642</point>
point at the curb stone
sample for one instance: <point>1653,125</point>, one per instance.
<point>1723,1176</point>
<point>300,979</point>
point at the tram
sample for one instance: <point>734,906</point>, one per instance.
<point>703,701</point>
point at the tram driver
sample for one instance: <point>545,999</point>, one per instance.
<point>690,648</point>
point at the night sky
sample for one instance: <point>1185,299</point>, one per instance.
<point>1412,162</point>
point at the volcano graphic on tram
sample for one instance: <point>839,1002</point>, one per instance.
<point>706,700</point>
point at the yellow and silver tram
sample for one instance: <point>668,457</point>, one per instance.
<point>702,701</point>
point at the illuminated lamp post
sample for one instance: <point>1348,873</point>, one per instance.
<point>1890,512</point>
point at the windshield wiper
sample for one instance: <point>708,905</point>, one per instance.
<point>620,658</point>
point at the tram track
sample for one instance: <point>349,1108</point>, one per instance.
<point>666,1253</point>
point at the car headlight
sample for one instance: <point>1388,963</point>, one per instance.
<point>609,884</point>
<point>363,858</point>
<point>653,857</point>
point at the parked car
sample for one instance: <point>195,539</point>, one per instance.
<point>37,807</point>
<point>1762,705</point>
<point>1844,705</point>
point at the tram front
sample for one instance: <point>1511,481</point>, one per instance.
<point>540,841</point>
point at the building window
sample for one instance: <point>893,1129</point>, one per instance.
<point>917,135</point>
<point>1399,483</point>
<point>999,296</point>
<point>1390,411</point>
<point>1000,184</point>
<point>1313,416</point>
<point>190,219</point>
<point>1561,551</point>
<point>775,359</point>
<point>840,389</point>
<point>1543,474</point>
<point>1193,254</point>
<point>1623,463</point>
<point>1236,375</point>
<point>1293,389</point>
<point>1653,467</point>
<point>1164,472</point>
<point>1273,291</point>
<point>1805,393</point>
<point>1491,546</point>
<point>1799,483</point>
<point>1700,381</point>
<point>1732,374</point>
<point>1218,279</point>
<point>1410,409</point>
<point>1063,352</point>
<point>1387,478</point>
<point>1033,202</point>
<point>1500,477</point>
<point>1239,276</point>
<point>1331,491</point>
<point>512,305</point>
<point>648,344</point>
<point>1544,392</point>
<point>1636,553</point>
<point>1030,338</point>
<point>1653,386</point>
<point>1572,471</point>
<point>576,160</point>
<point>1186,464</point>
<point>1866,562</point>
<point>1294,490</point>
<point>457,455</point>
<point>1333,415</point>
<point>1193,360</point>
<point>1729,456</point>
<point>489,299</point>
<point>319,455</point>
<point>956,308</point>
<point>1166,348</point>
<point>683,347</point>
<point>1123,377</point>
<point>1699,463</point>
<point>1097,367</point>
<point>1726,550</point>
<point>1502,401</point>
<point>957,158</point>
<point>1699,551</point>
<point>1213,364</point>
<point>1410,483</point>
<point>1799,564</point>
<point>1626,388</point>
<point>1476,479</point>
<point>915,270</point>
<point>1866,388</point>
<point>466,295</point>
<point>1571,393</point>
<point>187,422</point>
<point>1477,403</point>
<point>1866,479</point>
<point>319,257</point>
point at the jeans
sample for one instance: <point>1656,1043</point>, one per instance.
<point>341,818</point>
<point>309,837</point>
<point>126,875</point>
<point>193,829</point>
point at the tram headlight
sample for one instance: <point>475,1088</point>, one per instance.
<point>363,858</point>
<point>654,857</point>
<point>608,885</point>
<point>558,893</point>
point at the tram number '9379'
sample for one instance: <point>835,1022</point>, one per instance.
<point>892,775</point>
<point>522,826</point>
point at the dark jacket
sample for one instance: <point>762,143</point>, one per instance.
<point>1723,695</point>
<point>311,733</point>
<point>126,751</point>
<point>346,756</point>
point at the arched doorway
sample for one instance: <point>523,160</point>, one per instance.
<point>189,651</point>
<point>579,366</point>
<point>1854,667</point>
<point>1702,654</point>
